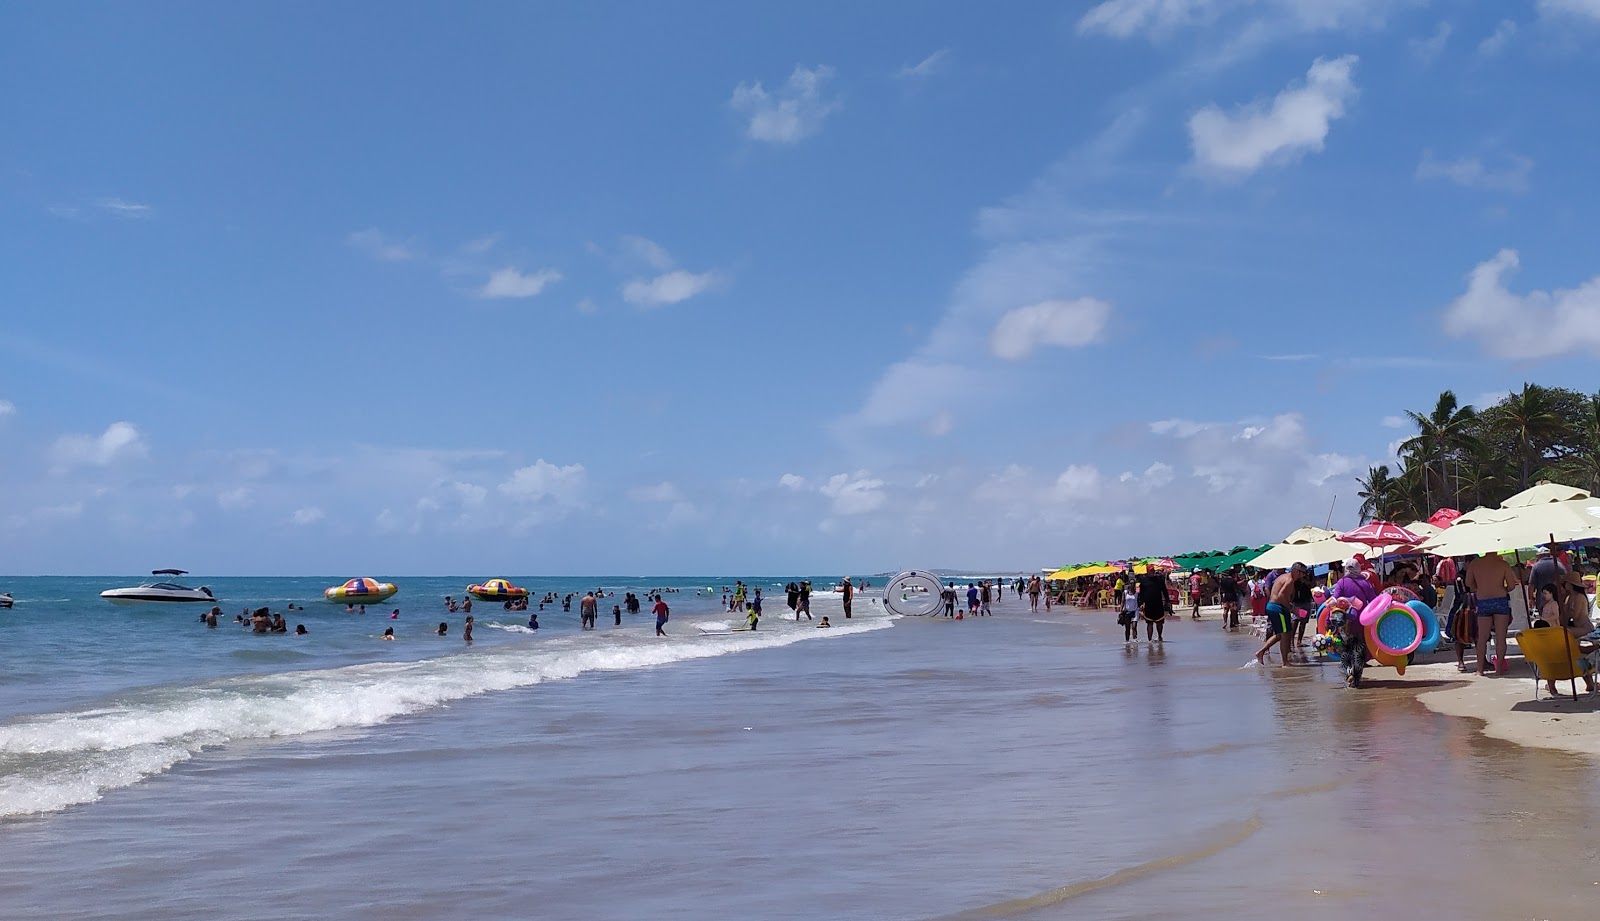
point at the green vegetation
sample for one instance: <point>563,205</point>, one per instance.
<point>1462,457</point>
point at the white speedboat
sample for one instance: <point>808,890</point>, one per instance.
<point>159,592</point>
<point>5,600</point>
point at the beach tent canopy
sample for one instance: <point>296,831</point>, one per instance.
<point>1306,545</point>
<point>1504,530</point>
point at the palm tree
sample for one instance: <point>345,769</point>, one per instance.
<point>1444,433</point>
<point>1532,421</point>
<point>1582,466</point>
<point>1375,492</point>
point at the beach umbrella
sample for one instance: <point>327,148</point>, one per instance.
<point>1443,518</point>
<point>1306,545</point>
<point>1545,493</point>
<point>1510,529</point>
<point>1381,534</point>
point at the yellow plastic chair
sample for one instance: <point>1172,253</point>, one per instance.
<point>1552,657</point>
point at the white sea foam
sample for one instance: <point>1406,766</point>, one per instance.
<point>54,760</point>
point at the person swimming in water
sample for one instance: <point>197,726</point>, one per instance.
<point>533,621</point>
<point>388,633</point>
<point>443,628</point>
<point>300,630</point>
<point>824,622</point>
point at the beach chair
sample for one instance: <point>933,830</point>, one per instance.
<point>1552,656</point>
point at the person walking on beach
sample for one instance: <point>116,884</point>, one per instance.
<point>1154,604</point>
<point>792,591</point>
<point>1280,613</point>
<point>661,613</point>
<point>849,594</point>
<point>586,611</point>
<point>948,596</point>
<point>1033,593</point>
<point>1196,581</point>
<point>983,599</point>
<point>1228,594</point>
<point>1491,579</point>
<point>1129,617</point>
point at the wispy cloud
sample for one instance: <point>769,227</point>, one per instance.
<point>927,67</point>
<point>381,246</point>
<point>1427,50</point>
<point>1068,323</point>
<point>511,282</point>
<point>789,114</point>
<point>121,207</point>
<point>1584,8</point>
<point>7,408</point>
<point>119,441</point>
<point>1297,121</point>
<point>1472,173</point>
<point>1299,356</point>
<point>669,288</point>
<point>1502,34</point>
<point>669,284</point>
<point>308,515</point>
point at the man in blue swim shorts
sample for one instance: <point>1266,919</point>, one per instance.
<point>1491,579</point>
<point>1280,613</point>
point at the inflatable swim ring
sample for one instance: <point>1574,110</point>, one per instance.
<point>497,590</point>
<point>1405,595</point>
<point>1375,608</point>
<point>1430,625</point>
<point>361,591</point>
<point>1397,632</point>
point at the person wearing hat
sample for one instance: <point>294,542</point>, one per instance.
<point>849,593</point>
<point>1280,613</point>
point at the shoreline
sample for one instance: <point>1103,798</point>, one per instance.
<point>1503,707</point>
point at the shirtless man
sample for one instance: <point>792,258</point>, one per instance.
<point>1280,613</point>
<point>586,610</point>
<point>1491,579</point>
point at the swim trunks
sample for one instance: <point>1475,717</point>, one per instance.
<point>1491,607</point>
<point>1277,619</point>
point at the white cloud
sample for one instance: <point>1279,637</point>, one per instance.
<point>471,494</point>
<point>1589,8</point>
<point>1067,323</point>
<point>649,252</point>
<point>238,498</point>
<point>792,481</point>
<point>1160,18</point>
<point>308,515</point>
<point>941,424</point>
<point>509,282</point>
<point>124,208</point>
<point>1428,49</point>
<point>119,441</point>
<point>658,492</point>
<point>926,67</point>
<point>1079,482</point>
<point>1256,135</point>
<point>7,408</point>
<point>669,287</point>
<point>481,245</point>
<point>1394,422</point>
<point>854,494</point>
<point>1472,173</point>
<point>790,114</point>
<point>380,246</point>
<point>1497,39</point>
<point>1539,324</point>
<point>586,306</point>
<point>543,480</point>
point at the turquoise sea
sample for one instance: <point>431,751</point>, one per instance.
<point>1028,765</point>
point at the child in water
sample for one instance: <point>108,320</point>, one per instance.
<point>824,622</point>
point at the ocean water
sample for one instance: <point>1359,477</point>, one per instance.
<point>1028,765</point>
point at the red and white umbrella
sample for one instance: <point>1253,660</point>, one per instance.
<point>1381,534</point>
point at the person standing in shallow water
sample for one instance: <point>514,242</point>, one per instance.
<point>1154,604</point>
<point>661,612</point>
<point>587,609</point>
<point>849,594</point>
<point>466,629</point>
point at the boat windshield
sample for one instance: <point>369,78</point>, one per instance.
<point>169,586</point>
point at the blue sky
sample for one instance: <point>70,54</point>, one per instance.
<point>715,287</point>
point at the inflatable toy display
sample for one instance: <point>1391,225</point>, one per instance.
<point>361,591</point>
<point>497,590</point>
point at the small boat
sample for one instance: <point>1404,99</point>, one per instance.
<point>361,591</point>
<point>5,600</point>
<point>497,590</point>
<point>159,592</point>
